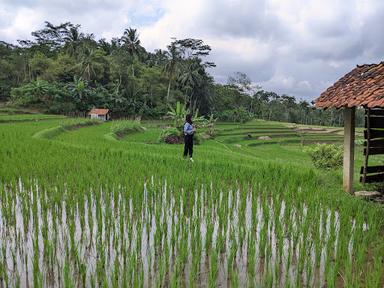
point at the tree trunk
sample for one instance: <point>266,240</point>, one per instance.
<point>169,89</point>
<point>191,103</point>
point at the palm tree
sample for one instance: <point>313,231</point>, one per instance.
<point>171,66</point>
<point>73,39</point>
<point>191,78</point>
<point>130,40</point>
<point>158,58</point>
<point>89,60</point>
<point>105,46</point>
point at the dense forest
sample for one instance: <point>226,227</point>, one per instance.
<point>63,70</point>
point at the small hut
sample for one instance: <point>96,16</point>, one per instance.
<point>362,87</point>
<point>101,114</point>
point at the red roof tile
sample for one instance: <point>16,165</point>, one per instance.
<point>364,85</point>
<point>98,111</point>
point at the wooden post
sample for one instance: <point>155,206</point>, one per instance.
<point>349,148</point>
<point>368,139</point>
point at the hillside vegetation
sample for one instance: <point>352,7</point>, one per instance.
<point>65,71</point>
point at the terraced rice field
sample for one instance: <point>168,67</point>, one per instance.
<point>252,135</point>
<point>81,207</point>
<point>6,118</point>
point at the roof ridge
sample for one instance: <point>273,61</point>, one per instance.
<point>367,65</point>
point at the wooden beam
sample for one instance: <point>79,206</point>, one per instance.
<point>376,112</point>
<point>367,136</point>
<point>373,178</point>
<point>374,143</point>
<point>373,151</point>
<point>375,122</point>
<point>349,147</point>
<point>372,169</point>
<point>373,134</point>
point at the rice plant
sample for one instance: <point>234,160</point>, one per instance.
<point>80,209</point>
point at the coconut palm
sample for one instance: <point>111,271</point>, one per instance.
<point>72,39</point>
<point>159,58</point>
<point>170,68</point>
<point>105,46</point>
<point>89,62</point>
<point>191,78</point>
<point>131,42</point>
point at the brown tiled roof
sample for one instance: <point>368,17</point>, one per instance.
<point>99,111</point>
<point>364,85</point>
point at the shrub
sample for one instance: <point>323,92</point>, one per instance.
<point>198,138</point>
<point>39,93</point>
<point>326,156</point>
<point>171,135</point>
<point>359,142</point>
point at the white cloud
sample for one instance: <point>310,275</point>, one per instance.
<point>24,17</point>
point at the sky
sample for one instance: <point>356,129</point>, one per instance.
<point>293,47</point>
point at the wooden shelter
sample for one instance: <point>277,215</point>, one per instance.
<point>362,87</point>
<point>101,114</point>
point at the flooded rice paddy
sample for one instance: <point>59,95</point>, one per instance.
<point>174,238</point>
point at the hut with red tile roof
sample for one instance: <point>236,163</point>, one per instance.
<point>362,87</point>
<point>99,113</point>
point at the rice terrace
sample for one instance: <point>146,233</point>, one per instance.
<point>151,159</point>
<point>81,207</point>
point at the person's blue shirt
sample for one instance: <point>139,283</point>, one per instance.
<point>188,129</point>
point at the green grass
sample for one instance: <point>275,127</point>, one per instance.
<point>7,118</point>
<point>65,126</point>
<point>82,207</point>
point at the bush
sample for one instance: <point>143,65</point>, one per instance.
<point>326,156</point>
<point>171,135</point>
<point>359,142</point>
<point>198,138</point>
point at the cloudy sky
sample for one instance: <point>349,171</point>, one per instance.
<point>296,47</point>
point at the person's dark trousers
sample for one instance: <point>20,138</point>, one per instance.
<point>188,145</point>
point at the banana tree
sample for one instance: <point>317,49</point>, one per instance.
<point>211,125</point>
<point>177,114</point>
<point>199,121</point>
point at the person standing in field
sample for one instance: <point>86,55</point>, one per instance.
<point>189,130</point>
